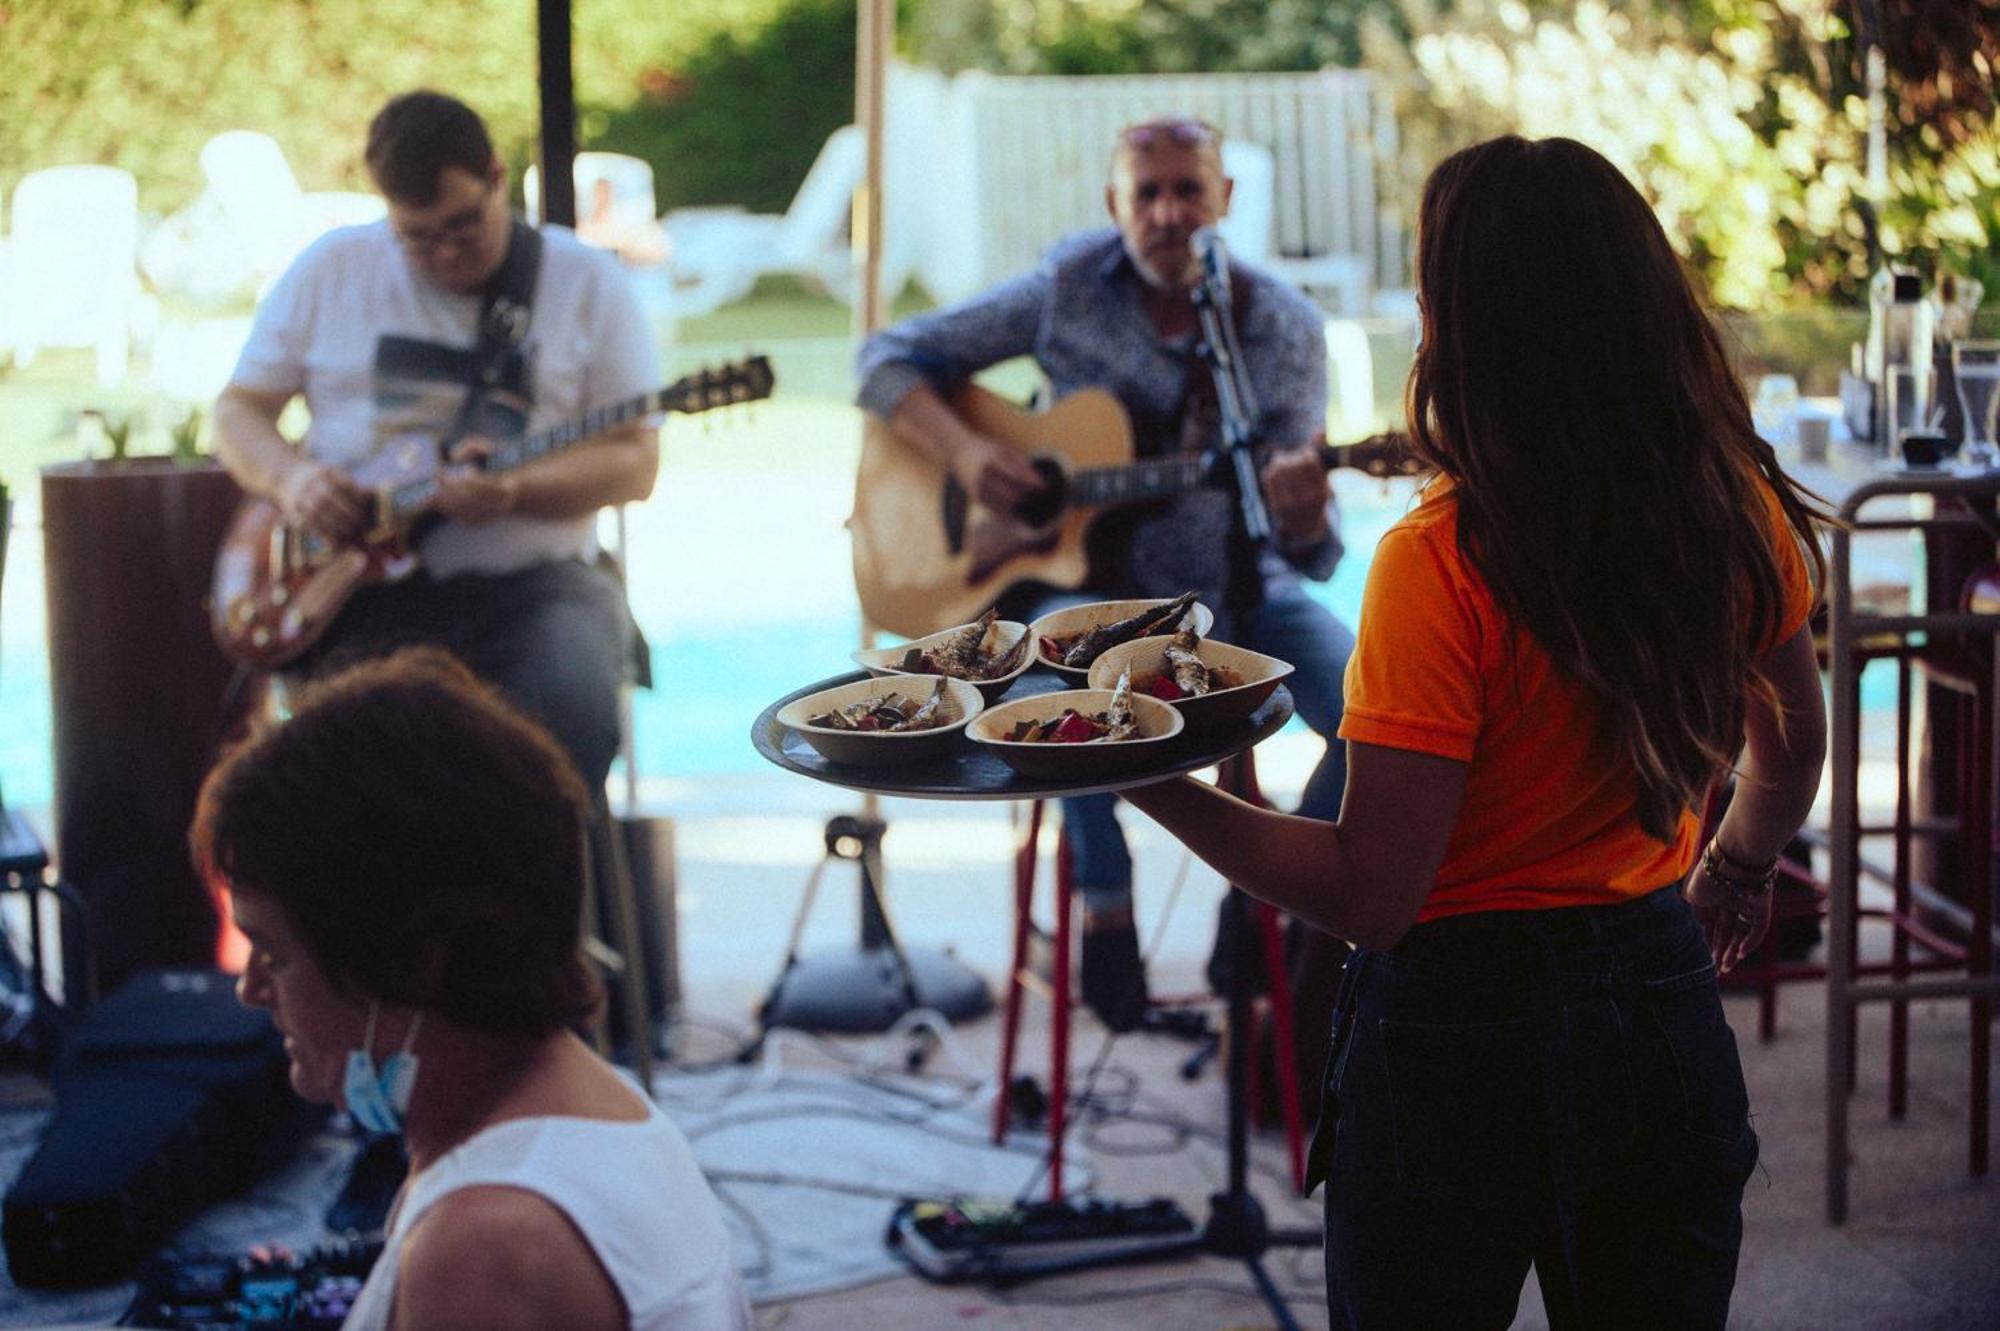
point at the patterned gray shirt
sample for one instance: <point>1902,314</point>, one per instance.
<point>1079,314</point>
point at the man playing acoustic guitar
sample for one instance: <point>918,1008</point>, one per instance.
<point>379,329</point>
<point>1111,309</point>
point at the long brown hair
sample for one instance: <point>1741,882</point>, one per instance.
<point>1605,469</point>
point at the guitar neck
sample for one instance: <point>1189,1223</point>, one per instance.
<point>1155,478</point>
<point>748,381</point>
<point>414,496</point>
<point>1161,478</point>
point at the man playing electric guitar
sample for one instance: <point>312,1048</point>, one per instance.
<point>378,328</point>
<point>1111,309</point>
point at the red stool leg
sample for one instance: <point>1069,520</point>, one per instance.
<point>1238,776</point>
<point>1282,1036</point>
<point>1059,1019</point>
<point>1024,903</point>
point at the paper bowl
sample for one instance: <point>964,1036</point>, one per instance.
<point>1081,618</point>
<point>866,748</point>
<point>1158,723</point>
<point>1147,659</point>
<point>882,662</point>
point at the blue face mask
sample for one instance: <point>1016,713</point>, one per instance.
<point>377,1101</point>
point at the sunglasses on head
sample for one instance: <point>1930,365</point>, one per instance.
<point>1179,130</point>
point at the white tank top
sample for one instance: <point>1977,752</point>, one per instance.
<point>632,1189</point>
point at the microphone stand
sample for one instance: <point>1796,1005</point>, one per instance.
<point>1236,1224</point>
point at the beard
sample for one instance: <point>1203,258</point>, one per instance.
<point>1167,262</point>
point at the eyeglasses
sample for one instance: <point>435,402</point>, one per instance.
<point>453,230</point>
<point>1181,131</point>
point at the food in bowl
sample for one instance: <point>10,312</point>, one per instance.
<point>971,653</point>
<point>1187,675</point>
<point>1079,650</point>
<point>1070,726</point>
<point>889,714</point>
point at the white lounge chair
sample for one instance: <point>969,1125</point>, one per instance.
<point>719,253</point>
<point>74,260</point>
<point>247,226</point>
<point>615,207</point>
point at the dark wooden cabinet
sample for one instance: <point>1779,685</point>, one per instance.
<point>142,699</point>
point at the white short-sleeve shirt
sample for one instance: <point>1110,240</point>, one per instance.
<point>317,334</point>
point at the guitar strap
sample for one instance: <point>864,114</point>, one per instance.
<point>505,310</point>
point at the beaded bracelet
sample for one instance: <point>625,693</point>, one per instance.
<point>1744,886</point>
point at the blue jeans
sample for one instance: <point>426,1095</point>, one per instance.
<point>1289,625</point>
<point>1556,1089</point>
<point>554,639</point>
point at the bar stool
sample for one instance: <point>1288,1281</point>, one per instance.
<point>1765,970</point>
<point>1237,775</point>
<point>1954,646</point>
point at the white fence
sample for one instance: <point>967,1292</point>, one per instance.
<point>983,172</point>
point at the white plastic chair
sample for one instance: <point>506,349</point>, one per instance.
<point>75,264</point>
<point>258,196</point>
<point>1251,221</point>
<point>1339,282</point>
<point>246,227</point>
<point>719,253</point>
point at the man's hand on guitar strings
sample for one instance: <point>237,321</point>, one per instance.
<point>996,475</point>
<point>1296,488</point>
<point>324,500</point>
<point>469,494</point>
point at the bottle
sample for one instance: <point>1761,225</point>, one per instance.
<point>1899,320</point>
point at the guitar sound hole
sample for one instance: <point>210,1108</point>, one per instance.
<point>1041,508</point>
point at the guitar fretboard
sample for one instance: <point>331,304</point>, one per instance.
<point>1155,478</point>
<point>705,391</point>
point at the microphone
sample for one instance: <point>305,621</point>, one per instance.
<point>1213,256</point>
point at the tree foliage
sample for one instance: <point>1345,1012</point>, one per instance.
<point>143,84</point>
<point>1743,121</point>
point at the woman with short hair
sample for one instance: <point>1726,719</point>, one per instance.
<point>405,856</point>
<point>1596,607</point>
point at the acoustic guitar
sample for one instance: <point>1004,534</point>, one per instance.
<point>276,587</point>
<point>926,557</point>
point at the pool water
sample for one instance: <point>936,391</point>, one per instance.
<point>718,660</point>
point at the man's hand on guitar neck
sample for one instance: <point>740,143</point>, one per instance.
<point>468,494</point>
<point>324,500</point>
<point>1296,489</point>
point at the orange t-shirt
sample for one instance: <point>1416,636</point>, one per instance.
<point>1550,816</point>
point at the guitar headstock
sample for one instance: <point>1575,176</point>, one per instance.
<point>1382,456</point>
<point>746,380</point>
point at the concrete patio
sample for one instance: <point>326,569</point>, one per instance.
<point>1916,1252</point>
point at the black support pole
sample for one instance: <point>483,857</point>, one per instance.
<point>558,154</point>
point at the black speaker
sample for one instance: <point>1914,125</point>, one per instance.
<point>170,1095</point>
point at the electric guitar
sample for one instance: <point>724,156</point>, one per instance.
<point>276,587</point>
<point>926,556</point>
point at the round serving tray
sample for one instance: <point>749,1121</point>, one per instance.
<point>970,772</point>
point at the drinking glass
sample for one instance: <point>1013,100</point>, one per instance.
<point>1975,365</point>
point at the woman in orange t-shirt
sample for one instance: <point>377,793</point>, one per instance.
<point>1597,608</point>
